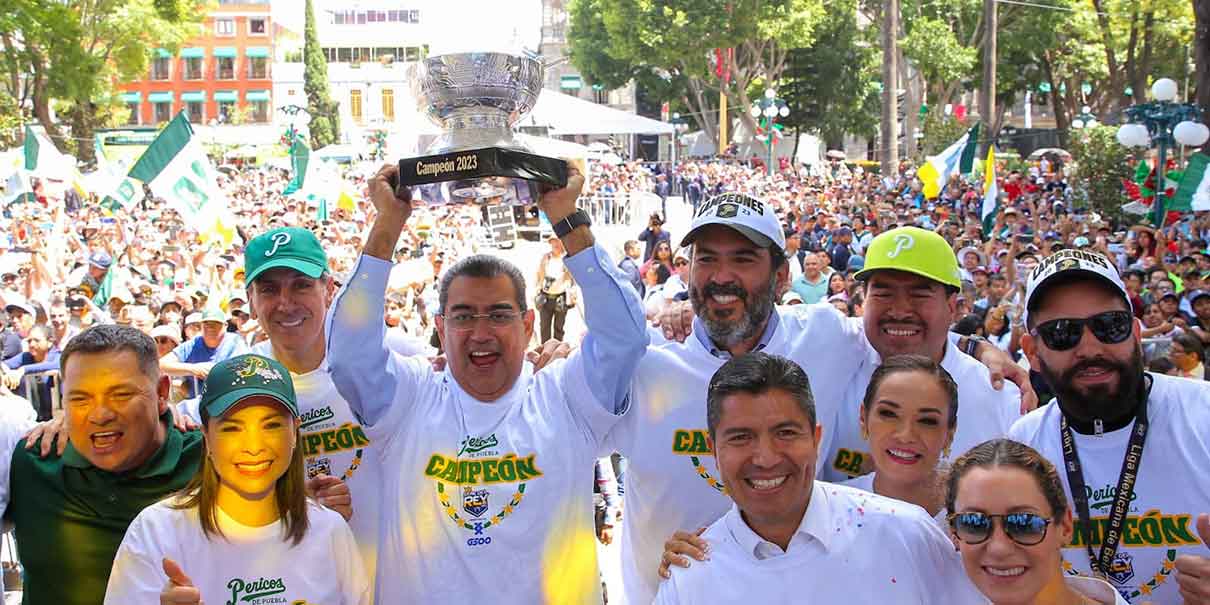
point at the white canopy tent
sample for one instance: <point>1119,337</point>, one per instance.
<point>567,115</point>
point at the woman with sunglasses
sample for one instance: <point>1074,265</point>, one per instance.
<point>908,416</point>
<point>243,529</point>
<point>1010,521</point>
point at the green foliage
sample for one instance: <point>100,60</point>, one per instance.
<point>75,52</point>
<point>932,46</point>
<point>12,120</point>
<point>325,113</point>
<point>830,85</point>
<point>1100,166</point>
<point>940,131</point>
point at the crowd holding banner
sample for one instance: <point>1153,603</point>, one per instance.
<point>233,381</point>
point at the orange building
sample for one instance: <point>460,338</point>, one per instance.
<point>222,76</point>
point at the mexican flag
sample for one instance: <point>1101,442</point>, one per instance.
<point>1193,193</point>
<point>991,192</point>
<point>175,167</point>
<point>958,158</point>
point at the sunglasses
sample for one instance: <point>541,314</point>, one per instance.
<point>1026,529</point>
<point>1110,327</point>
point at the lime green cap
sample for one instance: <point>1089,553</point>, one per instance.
<point>913,250</point>
<point>234,380</point>
<point>292,247</point>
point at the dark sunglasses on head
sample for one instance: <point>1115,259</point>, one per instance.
<point>1026,529</point>
<point>1110,327</point>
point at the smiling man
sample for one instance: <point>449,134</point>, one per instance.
<point>486,465</point>
<point>71,511</point>
<point>787,535</point>
<point>1134,445</point>
<point>911,286</point>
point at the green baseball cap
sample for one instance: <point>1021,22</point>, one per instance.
<point>234,380</point>
<point>913,250</point>
<point>292,247</point>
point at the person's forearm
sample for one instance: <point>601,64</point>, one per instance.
<point>617,327</point>
<point>384,235</point>
<point>176,368</point>
<point>356,348</point>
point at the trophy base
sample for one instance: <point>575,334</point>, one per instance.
<point>487,174</point>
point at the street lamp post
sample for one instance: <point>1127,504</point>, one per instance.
<point>1163,123</point>
<point>1085,119</point>
<point>771,107</point>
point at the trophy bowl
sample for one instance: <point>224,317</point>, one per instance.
<point>476,98</point>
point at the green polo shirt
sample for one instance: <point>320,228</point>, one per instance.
<point>70,516</point>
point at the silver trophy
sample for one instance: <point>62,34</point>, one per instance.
<point>476,98</point>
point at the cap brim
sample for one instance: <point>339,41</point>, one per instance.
<point>755,236</point>
<point>865,274</point>
<point>1050,281</point>
<point>219,406</point>
<point>310,269</point>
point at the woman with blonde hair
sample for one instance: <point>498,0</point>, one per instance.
<point>244,528</point>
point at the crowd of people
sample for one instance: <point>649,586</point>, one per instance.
<point>826,377</point>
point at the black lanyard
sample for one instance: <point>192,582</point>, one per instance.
<point>1121,499</point>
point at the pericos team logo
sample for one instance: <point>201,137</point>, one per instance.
<point>695,443</point>
<point>1152,529</point>
<point>480,476</point>
<point>326,444</point>
<point>259,591</point>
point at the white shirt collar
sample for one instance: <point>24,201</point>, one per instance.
<point>812,528</point>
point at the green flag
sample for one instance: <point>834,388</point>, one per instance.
<point>300,157</point>
<point>1193,193</point>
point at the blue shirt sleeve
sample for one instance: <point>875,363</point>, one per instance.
<point>363,369</point>
<point>51,363</point>
<point>185,349</point>
<point>617,328</point>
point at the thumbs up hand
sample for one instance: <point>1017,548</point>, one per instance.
<point>180,589</point>
<point>1193,571</point>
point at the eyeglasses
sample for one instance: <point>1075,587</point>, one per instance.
<point>497,319</point>
<point>1026,529</point>
<point>1110,327</point>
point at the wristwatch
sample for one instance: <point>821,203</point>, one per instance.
<point>571,221</point>
<point>972,344</point>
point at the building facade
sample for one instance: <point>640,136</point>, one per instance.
<point>562,75</point>
<point>224,76</point>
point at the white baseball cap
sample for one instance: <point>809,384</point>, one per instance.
<point>1063,265</point>
<point>751,217</point>
<point>166,331</point>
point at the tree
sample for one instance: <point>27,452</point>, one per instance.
<point>830,85</point>
<point>674,41</point>
<point>325,113</point>
<point>940,131</point>
<point>72,53</point>
<point>1101,164</point>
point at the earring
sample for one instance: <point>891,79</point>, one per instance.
<point>865,434</point>
<point>945,453</point>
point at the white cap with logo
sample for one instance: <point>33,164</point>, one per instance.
<point>751,217</point>
<point>1063,265</point>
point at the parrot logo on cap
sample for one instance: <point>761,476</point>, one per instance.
<point>903,242</point>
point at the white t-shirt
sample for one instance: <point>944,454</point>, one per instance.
<point>334,443</point>
<point>253,565</point>
<point>671,480</point>
<point>851,547</point>
<point>865,483</point>
<point>17,417</point>
<point>517,526</point>
<point>1172,488</point>
<point>983,412</point>
<point>1096,589</point>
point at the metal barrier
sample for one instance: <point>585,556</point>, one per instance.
<point>616,209</point>
<point>33,393</point>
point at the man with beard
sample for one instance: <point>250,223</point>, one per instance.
<point>1138,519</point>
<point>738,266</point>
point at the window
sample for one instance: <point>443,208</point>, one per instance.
<point>224,68</point>
<point>133,118</point>
<point>226,109</point>
<point>193,68</point>
<point>344,55</point>
<point>355,105</point>
<point>256,26</point>
<point>196,112</point>
<point>224,27</point>
<point>388,104</point>
<point>163,112</point>
<point>413,53</point>
<point>161,68</point>
<point>258,111</point>
<point>258,68</point>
